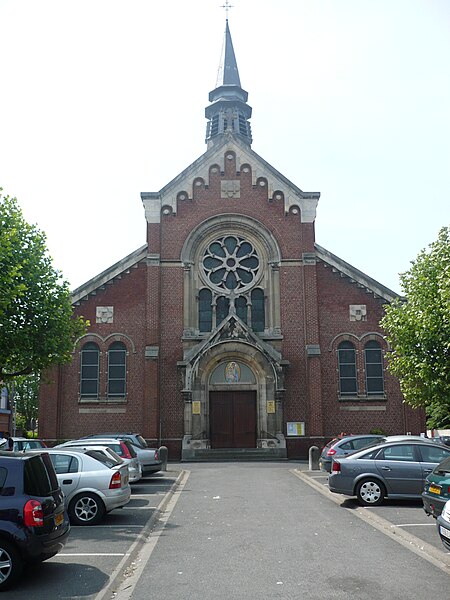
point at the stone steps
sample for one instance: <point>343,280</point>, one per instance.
<point>237,454</point>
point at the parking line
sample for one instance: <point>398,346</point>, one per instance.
<point>406,539</point>
<point>105,526</point>
<point>415,525</point>
<point>95,554</point>
<point>139,507</point>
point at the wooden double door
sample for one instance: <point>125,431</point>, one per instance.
<point>233,419</point>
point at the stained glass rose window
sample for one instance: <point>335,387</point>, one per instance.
<point>231,263</point>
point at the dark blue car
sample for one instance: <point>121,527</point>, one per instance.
<point>34,524</point>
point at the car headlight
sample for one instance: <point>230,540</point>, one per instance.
<point>446,511</point>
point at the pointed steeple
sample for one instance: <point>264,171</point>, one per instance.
<point>228,112</point>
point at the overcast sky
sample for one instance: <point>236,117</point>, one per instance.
<point>103,99</point>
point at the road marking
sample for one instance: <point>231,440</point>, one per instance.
<point>139,507</point>
<point>408,540</point>
<point>106,526</point>
<point>143,546</point>
<point>96,554</point>
<point>415,525</point>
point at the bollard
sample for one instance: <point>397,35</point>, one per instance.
<point>163,452</point>
<point>314,454</point>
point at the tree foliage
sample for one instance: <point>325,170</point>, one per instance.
<point>26,398</point>
<point>37,327</point>
<point>418,331</point>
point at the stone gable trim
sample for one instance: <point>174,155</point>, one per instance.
<point>306,202</point>
<point>107,277</point>
<point>357,277</point>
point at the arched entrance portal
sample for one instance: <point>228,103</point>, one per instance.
<point>232,406</point>
<point>233,394</point>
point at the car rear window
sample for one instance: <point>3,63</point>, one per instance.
<point>39,476</point>
<point>131,450</point>
<point>443,467</point>
<point>108,461</point>
<point>141,441</point>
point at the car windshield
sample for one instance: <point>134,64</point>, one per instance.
<point>32,444</point>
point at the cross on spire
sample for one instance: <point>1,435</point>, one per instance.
<point>227,7</point>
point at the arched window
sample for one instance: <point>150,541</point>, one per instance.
<point>222,309</point>
<point>205,310</point>
<point>347,369</point>
<point>374,369</point>
<point>241,308</point>
<point>258,317</point>
<point>117,369</point>
<point>90,360</point>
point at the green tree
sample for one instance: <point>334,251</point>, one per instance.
<point>418,330</point>
<point>37,327</point>
<point>26,398</point>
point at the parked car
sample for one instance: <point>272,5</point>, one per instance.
<point>149,457</point>
<point>443,525</point>
<point>344,445</point>
<point>92,448</point>
<point>21,443</point>
<point>387,470</point>
<point>91,487</point>
<point>34,524</point>
<point>437,489</point>
<point>444,439</point>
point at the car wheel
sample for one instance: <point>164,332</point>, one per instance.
<point>370,492</point>
<point>11,565</point>
<point>86,509</point>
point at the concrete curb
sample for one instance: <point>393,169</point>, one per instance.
<point>126,564</point>
<point>422,549</point>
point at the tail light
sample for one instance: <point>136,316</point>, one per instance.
<point>33,515</point>
<point>116,481</point>
<point>156,455</point>
<point>336,467</point>
<point>126,452</point>
<point>331,452</point>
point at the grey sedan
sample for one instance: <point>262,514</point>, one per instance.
<point>388,470</point>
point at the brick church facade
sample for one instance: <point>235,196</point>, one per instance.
<point>231,329</point>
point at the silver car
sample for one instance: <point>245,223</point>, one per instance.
<point>87,446</point>
<point>148,457</point>
<point>396,469</point>
<point>91,487</point>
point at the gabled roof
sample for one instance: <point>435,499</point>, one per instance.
<point>354,275</point>
<point>132,261</point>
<point>167,196</point>
<point>108,276</point>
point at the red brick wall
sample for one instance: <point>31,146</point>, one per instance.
<point>148,311</point>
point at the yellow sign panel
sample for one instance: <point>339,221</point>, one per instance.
<point>270,407</point>
<point>196,407</point>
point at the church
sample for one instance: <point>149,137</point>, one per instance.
<point>231,332</point>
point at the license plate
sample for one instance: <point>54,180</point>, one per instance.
<point>435,489</point>
<point>444,532</point>
<point>59,519</point>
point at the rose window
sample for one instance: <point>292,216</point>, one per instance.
<point>231,263</point>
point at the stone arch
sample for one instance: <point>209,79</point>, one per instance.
<point>267,385</point>
<point>268,252</point>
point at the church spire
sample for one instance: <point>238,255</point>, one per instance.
<point>228,112</point>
